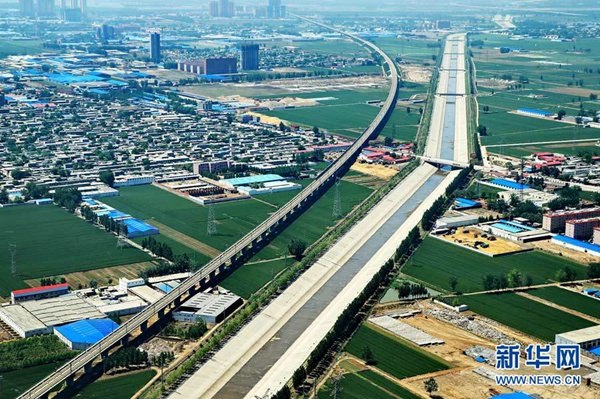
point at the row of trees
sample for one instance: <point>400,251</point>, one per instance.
<point>52,281</point>
<point>33,351</point>
<point>158,248</point>
<point>513,279</point>
<point>181,264</point>
<point>411,290</point>
<point>126,357</point>
<point>68,198</point>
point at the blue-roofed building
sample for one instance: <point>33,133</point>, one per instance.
<point>508,184</point>
<point>249,180</point>
<point>538,113</point>
<point>82,334</point>
<point>513,395</point>
<point>465,203</point>
<point>138,228</point>
<point>577,245</point>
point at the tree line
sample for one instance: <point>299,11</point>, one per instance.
<point>125,358</point>
<point>159,249</point>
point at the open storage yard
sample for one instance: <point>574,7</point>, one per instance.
<point>526,315</point>
<point>435,261</point>
<point>569,299</point>
<point>470,236</point>
<point>50,241</point>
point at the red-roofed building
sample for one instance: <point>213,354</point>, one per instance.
<point>46,291</point>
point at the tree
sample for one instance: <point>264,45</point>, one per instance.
<point>107,177</point>
<point>482,130</point>
<point>453,281</point>
<point>515,279</point>
<point>594,270</point>
<point>431,385</point>
<point>528,280</point>
<point>367,355</point>
<point>4,196</point>
<point>299,377</point>
<point>561,114</point>
<point>388,141</point>
<point>93,283</point>
<point>297,248</point>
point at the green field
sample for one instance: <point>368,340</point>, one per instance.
<point>366,384</point>
<point>13,383</point>
<point>569,299</point>
<point>507,128</point>
<point>234,219</point>
<point>523,314</point>
<point>393,355</point>
<point>50,241</point>
<point>19,47</point>
<point>435,261</point>
<point>348,114</point>
<point>559,75</point>
<point>249,278</point>
<point>121,387</point>
<point>565,149</point>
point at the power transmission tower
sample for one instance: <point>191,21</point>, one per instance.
<point>337,201</point>
<point>211,226</point>
<point>13,258</point>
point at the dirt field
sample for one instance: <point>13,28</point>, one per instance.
<point>468,236</point>
<point>416,74</point>
<point>580,257</point>
<point>100,275</point>
<point>379,171</point>
<point>573,91</point>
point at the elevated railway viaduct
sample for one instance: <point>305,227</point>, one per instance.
<point>233,256</point>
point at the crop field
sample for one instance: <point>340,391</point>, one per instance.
<point>347,112</point>
<point>366,384</point>
<point>470,267</point>
<point>507,128</point>
<point>520,313</point>
<point>250,277</point>
<point>50,241</point>
<point>558,75</point>
<point>19,47</point>
<point>393,355</point>
<point>564,148</point>
<point>412,50</point>
<point>344,47</point>
<point>150,203</point>
<point>569,299</point>
<point>234,219</point>
<point>121,387</point>
<point>15,382</point>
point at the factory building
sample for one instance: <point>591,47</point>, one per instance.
<point>22,322</point>
<point>212,308</point>
<point>587,338</point>
<point>47,291</point>
<point>130,180</point>
<point>581,229</point>
<point>576,245</point>
<point>82,334</point>
<point>555,222</point>
<point>596,238</point>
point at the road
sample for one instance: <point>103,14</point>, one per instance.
<point>262,357</point>
<point>262,232</point>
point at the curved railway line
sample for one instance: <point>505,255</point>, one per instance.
<point>227,258</point>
